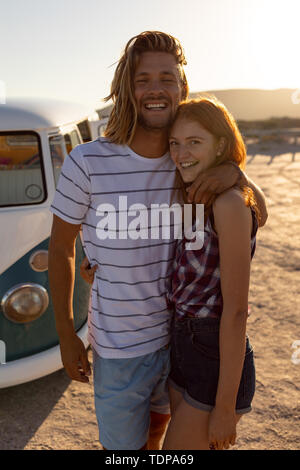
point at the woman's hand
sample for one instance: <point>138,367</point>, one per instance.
<point>87,272</point>
<point>221,429</point>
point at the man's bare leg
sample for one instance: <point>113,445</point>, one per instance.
<point>158,426</point>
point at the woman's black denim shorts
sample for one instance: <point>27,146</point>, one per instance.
<point>195,364</point>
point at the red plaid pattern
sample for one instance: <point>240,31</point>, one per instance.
<point>195,284</point>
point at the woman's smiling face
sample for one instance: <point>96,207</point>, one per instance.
<point>193,149</point>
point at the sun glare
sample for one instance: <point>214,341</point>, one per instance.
<point>245,45</point>
<point>275,41</point>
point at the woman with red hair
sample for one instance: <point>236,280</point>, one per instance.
<point>212,379</point>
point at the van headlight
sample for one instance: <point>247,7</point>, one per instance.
<point>24,303</point>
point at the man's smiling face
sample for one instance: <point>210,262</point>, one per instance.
<point>157,89</point>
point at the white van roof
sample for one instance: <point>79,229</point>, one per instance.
<point>38,113</point>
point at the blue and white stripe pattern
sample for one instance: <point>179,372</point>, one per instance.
<point>128,314</point>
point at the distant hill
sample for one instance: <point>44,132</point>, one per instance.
<point>250,104</point>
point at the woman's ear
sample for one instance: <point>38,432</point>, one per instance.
<point>221,146</point>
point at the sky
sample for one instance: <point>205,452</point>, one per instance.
<point>66,49</point>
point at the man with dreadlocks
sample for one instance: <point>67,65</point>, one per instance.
<point>128,319</point>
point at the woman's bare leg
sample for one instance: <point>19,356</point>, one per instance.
<point>188,428</point>
<point>175,399</point>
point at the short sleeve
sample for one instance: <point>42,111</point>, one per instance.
<point>72,196</point>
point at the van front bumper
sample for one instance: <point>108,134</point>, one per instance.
<point>36,366</point>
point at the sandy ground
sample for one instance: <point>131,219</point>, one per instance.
<point>55,413</point>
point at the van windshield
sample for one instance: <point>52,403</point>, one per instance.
<point>22,178</point>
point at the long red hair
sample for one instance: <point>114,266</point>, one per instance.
<point>211,114</point>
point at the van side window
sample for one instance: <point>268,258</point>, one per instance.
<point>21,169</point>
<point>71,140</point>
<point>58,153</point>
<point>60,147</point>
<point>101,130</point>
<point>84,130</point>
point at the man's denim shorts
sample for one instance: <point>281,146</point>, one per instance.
<point>126,390</point>
<point>195,364</point>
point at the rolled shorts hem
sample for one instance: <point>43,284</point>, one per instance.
<point>162,410</point>
<point>197,404</point>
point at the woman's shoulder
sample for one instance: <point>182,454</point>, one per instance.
<point>230,207</point>
<point>232,198</point>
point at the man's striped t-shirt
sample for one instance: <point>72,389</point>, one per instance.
<point>112,192</point>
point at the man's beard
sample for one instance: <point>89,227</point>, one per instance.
<point>151,126</point>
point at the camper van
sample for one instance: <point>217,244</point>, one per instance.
<point>35,138</point>
<point>92,127</point>
<point>96,126</point>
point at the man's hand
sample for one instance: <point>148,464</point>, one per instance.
<point>221,429</point>
<point>212,182</point>
<point>74,358</point>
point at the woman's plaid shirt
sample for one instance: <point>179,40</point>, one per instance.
<point>195,285</point>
